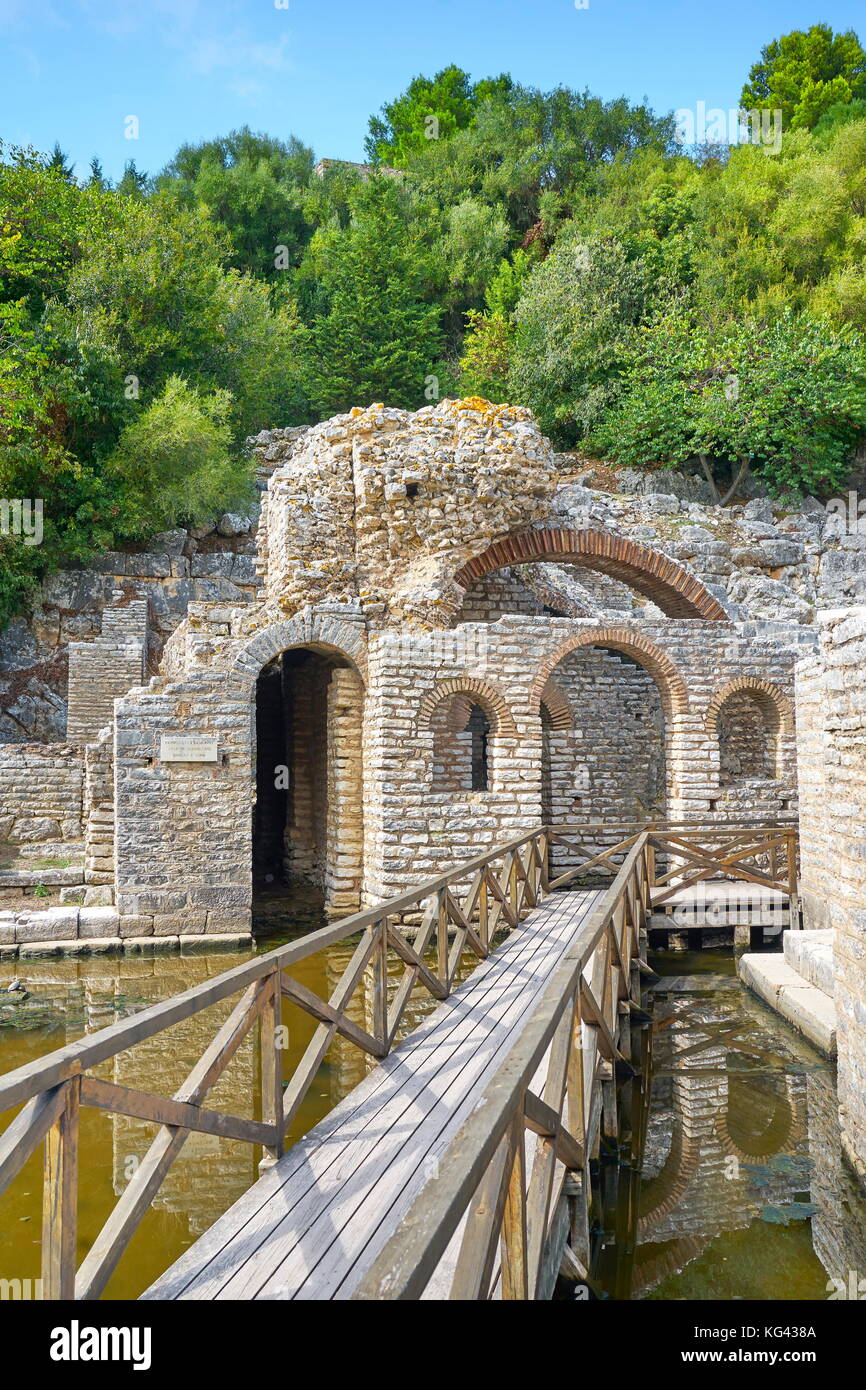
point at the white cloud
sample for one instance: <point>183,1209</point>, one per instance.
<point>235,51</point>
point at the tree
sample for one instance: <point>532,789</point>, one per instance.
<point>573,321</point>
<point>97,177</point>
<point>377,339</point>
<point>135,182</point>
<point>430,109</point>
<point>41,220</point>
<point>805,73</point>
<point>254,187</point>
<point>59,162</point>
<point>785,400</point>
<point>175,462</point>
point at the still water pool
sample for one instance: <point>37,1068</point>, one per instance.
<point>743,1192</point>
<point>75,995</point>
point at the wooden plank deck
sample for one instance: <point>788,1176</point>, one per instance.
<point>312,1225</point>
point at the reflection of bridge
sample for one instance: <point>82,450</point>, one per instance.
<point>460,1166</point>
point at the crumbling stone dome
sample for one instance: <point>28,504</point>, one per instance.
<point>384,506</point>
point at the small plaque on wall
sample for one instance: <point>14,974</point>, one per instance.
<point>188,748</point>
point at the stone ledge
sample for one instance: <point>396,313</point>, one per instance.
<point>129,945</point>
<point>808,1009</point>
<point>810,954</point>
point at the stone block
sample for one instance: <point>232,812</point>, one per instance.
<point>54,924</point>
<point>98,921</point>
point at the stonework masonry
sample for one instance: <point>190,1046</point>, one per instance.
<point>428,641</point>
<point>41,793</point>
<point>831,711</point>
<point>104,668</point>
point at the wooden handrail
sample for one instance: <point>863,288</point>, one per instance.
<point>406,1264</point>
<point>461,911</point>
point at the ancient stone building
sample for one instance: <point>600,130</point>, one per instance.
<point>437,642</point>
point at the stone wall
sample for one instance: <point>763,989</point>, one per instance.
<point>172,570</point>
<point>41,793</point>
<point>104,668</point>
<point>831,700</point>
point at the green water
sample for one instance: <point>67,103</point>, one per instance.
<point>743,1192</point>
<point>80,994</point>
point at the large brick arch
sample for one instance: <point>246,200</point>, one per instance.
<point>672,688</point>
<point>660,579</point>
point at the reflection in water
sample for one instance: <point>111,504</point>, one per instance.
<point>744,1193</point>
<point>80,994</point>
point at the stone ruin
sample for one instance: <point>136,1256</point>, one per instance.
<point>430,639</point>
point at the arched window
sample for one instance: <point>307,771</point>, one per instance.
<point>463,736</point>
<point>478,729</point>
<point>747,736</point>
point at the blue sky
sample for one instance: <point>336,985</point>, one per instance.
<point>73,70</point>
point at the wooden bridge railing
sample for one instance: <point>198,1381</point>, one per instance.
<point>456,914</point>
<point>576,1041</point>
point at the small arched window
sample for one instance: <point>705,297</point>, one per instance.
<point>747,736</point>
<point>462,739</point>
<point>478,728</point>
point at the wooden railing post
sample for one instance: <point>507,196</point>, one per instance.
<point>483,914</point>
<point>271,1038</point>
<point>379,965</point>
<point>515,1266</point>
<point>60,1199</point>
<point>793,892</point>
<point>544,862</point>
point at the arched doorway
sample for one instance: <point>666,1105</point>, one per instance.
<point>307,816</point>
<point>607,762</point>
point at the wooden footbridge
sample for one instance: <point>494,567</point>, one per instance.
<point>461,1166</point>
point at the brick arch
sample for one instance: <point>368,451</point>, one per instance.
<point>559,711</point>
<point>660,579</point>
<point>672,687</point>
<point>774,704</point>
<point>322,633</point>
<point>473,692</point>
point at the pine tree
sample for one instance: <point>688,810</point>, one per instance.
<point>378,340</point>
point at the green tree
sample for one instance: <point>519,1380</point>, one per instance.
<point>804,73</point>
<point>430,109</point>
<point>254,187</point>
<point>41,219</point>
<point>785,400</point>
<point>175,462</point>
<point>377,339</point>
<point>573,323</point>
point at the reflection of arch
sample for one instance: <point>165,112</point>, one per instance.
<point>767,1104</point>
<point>558,709</point>
<point>660,579</point>
<point>469,691</point>
<point>672,687</point>
<point>661,1194</point>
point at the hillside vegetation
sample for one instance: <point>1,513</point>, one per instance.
<point>654,305</point>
